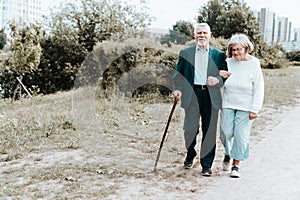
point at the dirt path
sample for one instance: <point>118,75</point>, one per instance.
<point>271,172</point>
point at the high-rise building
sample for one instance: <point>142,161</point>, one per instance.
<point>25,12</point>
<point>266,25</point>
<point>277,30</point>
<point>21,11</point>
<point>294,43</point>
<point>296,37</point>
<point>282,30</point>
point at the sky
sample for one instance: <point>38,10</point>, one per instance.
<point>168,12</point>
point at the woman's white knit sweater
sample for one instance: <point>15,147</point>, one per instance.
<point>244,89</point>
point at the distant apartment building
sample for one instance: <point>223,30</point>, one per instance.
<point>282,30</point>
<point>1,14</point>
<point>294,43</point>
<point>21,11</point>
<point>297,35</point>
<point>25,12</point>
<point>267,25</point>
<point>277,30</point>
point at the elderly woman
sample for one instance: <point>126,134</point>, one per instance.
<point>242,99</point>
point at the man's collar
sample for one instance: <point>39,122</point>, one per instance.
<point>198,48</point>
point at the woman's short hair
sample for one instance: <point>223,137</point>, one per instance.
<point>241,39</point>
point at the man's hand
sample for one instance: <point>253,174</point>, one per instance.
<point>212,81</point>
<point>177,94</point>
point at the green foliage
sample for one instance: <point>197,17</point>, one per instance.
<point>211,14</point>
<point>25,48</point>
<point>59,65</point>
<point>230,17</point>
<point>182,32</point>
<point>219,43</point>
<point>93,21</point>
<point>273,57</point>
<point>293,56</point>
<point>24,58</point>
<point>8,82</point>
<point>2,39</point>
<point>132,66</point>
<point>77,27</point>
<point>227,18</point>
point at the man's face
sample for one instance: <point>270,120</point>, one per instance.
<point>202,36</point>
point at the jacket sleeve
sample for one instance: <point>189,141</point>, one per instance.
<point>222,66</point>
<point>178,76</point>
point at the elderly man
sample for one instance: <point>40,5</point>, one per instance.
<point>197,84</point>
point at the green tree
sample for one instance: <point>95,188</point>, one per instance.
<point>229,17</point>
<point>273,57</point>
<point>182,32</point>
<point>25,49</point>
<point>62,56</point>
<point>2,38</point>
<point>211,13</point>
<point>24,58</point>
<point>96,20</point>
<point>294,56</point>
<point>77,27</point>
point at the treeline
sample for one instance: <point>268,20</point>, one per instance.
<point>102,41</point>
<point>47,62</point>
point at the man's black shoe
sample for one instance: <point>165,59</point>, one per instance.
<point>189,159</point>
<point>206,172</point>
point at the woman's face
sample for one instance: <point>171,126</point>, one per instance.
<point>238,52</point>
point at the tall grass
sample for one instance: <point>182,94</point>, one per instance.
<point>45,141</point>
<point>282,92</point>
<point>48,122</point>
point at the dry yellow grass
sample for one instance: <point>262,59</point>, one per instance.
<point>73,145</point>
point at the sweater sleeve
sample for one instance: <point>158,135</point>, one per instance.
<point>258,89</point>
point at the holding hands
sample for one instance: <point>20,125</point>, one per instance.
<point>211,81</point>
<point>224,74</point>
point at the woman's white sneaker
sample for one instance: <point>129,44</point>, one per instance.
<point>226,163</point>
<point>226,166</point>
<point>235,172</point>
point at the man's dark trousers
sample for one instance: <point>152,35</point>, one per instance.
<point>201,108</point>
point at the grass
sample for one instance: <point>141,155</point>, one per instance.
<point>38,124</point>
<point>281,94</point>
<point>74,145</point>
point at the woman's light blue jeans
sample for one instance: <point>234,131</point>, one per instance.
<point>235,133</point>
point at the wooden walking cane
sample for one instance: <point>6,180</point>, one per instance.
<point>165,133</point>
